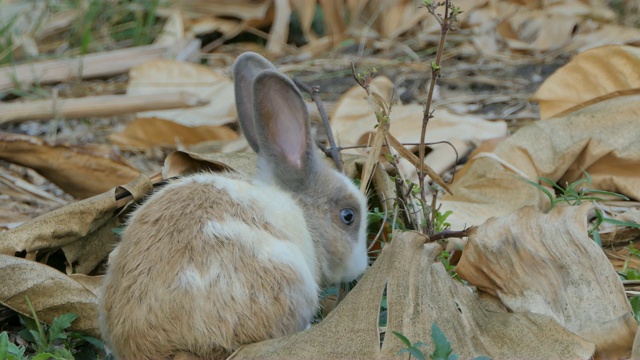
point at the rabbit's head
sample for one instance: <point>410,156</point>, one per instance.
<point>274,119</point>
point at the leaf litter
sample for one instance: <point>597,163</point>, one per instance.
<point>502,54</point>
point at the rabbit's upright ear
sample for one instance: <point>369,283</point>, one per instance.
<point>245,69</point>
<point>283,130</point>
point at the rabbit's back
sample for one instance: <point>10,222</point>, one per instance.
<point>207,264</point>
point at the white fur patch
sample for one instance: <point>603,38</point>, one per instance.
<point>262,245</point>
<point>190,279</point>
<point>280,211</point>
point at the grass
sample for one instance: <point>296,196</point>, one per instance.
<point>578,192</point>
<point>98,25</point>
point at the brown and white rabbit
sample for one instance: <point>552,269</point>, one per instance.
<point>213,261</point>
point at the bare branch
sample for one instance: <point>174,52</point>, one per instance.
<point>314,93</point>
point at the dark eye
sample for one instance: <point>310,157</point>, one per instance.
<point>348,216</point>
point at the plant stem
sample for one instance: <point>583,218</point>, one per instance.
<point>435,73</point>
<point>45,341</point>
<point>314,93</point>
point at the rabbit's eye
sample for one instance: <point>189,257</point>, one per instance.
<point>348,216</point>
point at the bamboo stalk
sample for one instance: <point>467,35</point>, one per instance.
<point>106,105</point>
<point>92,65</point>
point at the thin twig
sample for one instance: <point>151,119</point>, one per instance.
<point>314,93</point>
<point>384,220</point>
<point>432,219</point>
<point>435,74</point>
<point>450,234</point>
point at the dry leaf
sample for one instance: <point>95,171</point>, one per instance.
<point>604,34</point>
<point>162,76</point>
<point>537,31</point>
<point>305,9</point>
<point>353,121</point>
<point>91,283</point>
<point>51,292</point>
<point>242,9</point>
<point>79,170</point>
<point>82,229</point>
<point>395,17</point>
<point>144,133</point>
<point>419,293</point>
<point>590,77</point>
<point>180,163</point>
<point>173,30</point>
<point>553,269</point>
<point>602,139</point>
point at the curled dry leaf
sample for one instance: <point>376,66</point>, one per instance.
<point>419,293</point>
<point>82,229</point>
<point>534,26</point>
<point>537,31</point>
<point>590,77</point>
<point>144,133</point>
<point>179,163</point>
<point>51,292</point>
<point>602,139</point>
<point>162,76</point>
<point>554,269</point>
<point>79,170</point>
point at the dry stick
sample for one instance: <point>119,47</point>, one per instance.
<point>314,92</point>
<point>105,105</point>
<point>87,66</point>
<point>435,73</point>
<point>449,234</point>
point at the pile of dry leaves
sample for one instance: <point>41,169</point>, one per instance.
<point>90,121</point>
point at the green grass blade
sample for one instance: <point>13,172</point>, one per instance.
<point>603,192</point>
<point>575,184</point>
<point>541,188</point>
<point>621,223</point>
<point>596,237</point>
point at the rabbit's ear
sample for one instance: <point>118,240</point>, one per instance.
<point>245,69</point>
<point>283,130</point>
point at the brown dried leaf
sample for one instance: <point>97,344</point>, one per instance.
<point>79,170</point>
<point>305,9</point>
<point>537,30</point>
<point>51,292</point>
<point>420,292</point>
<point>144,133</point>
<point>242,9</point>
<point>590,77</point>
<point>180,163</point>
<point>554,269</point>
<point>602,139</point>
<point>173,30</point>
<point>395,17</point>
<point>603,34</point>
<point>353,121</point>
<point>82,229</point>
<point>164,76</point>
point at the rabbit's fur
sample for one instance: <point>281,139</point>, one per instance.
<point>214,261</point>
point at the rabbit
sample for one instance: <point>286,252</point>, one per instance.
<point>213,261</point>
